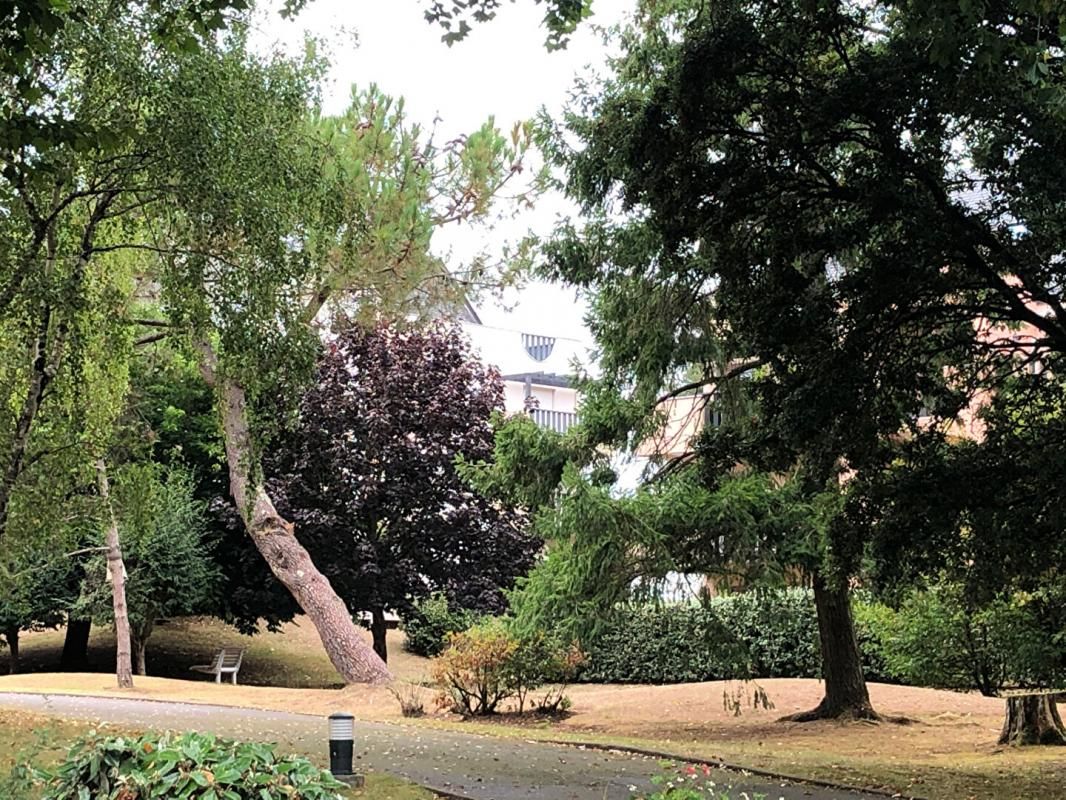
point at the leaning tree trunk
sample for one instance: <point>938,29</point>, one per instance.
<point>379,629</point>
<point>116,571</point>
<point>1032,719</point>
<point>12,637</point>
<point>75,656</point>
<point>846,695</point>
<point>273,536</point>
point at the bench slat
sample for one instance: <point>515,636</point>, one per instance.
<point>227,661</point>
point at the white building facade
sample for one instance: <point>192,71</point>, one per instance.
<point>537,370</point>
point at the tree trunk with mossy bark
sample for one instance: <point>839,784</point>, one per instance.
<point>846,695</point>
<point>274,537</point>
<point>1033,719</point>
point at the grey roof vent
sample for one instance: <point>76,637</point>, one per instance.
<point>538,347</point>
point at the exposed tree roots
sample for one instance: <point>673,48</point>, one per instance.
<point>851,713</point>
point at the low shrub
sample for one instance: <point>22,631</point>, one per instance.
<point>539,660</point>
<point>938,639</point>
<point>487,664</point>
<point>668,644</point>
<point>192,765</point>
<point>473,670</point>
<point>427,627</point>
<point>873,623</point>
<point>410,696</point>
<point>778,631</point>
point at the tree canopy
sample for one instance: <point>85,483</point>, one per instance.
<point>368,474</point>
<point>847,203</point>
<point>236,212</point>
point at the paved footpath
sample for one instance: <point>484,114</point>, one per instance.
<point>471,765</point>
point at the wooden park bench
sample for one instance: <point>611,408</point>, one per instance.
<point>227,661</point>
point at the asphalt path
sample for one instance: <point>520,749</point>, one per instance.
<point>471,765</point>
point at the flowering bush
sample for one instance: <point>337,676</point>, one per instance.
<point>690,782</point>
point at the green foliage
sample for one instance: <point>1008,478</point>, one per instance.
<point>755,634</point>
<point>689,782</point>
<point>166,553</point>
<point>473,671</point>
<point>937,639</point>
<point>874,622</point>
<point>527,462</point>
<point>746,524</point>
<point>934,518</point>
<point>689,643</point>
<point>489,663</point>
<point>191,765</point>
<point>432,622</point>
<point>171,419</point>
<point>779,630</point>
<point>540,660</point>
<point>36,591</point>
<point>561,17</point>
<point>856,196</point>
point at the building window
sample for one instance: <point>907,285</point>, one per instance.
<point>538,347</point>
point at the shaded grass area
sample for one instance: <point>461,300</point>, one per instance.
<point>292,657</point>
<point>47,740</point>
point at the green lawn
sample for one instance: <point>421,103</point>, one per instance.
<point>48,739</point>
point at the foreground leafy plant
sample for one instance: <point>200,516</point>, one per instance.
<point>689,782</point>
<point>191,766</point>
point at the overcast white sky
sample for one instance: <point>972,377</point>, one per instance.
<point>501,70</point>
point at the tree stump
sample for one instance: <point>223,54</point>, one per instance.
<point>1032,719</point>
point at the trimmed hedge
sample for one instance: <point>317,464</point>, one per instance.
<point>756,634</point>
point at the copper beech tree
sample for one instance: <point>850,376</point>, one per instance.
<point>369,474</point>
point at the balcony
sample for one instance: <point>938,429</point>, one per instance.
<point>558,421</point>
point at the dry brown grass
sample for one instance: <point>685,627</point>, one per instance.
<point>293,657</point>
<point>949,751</point>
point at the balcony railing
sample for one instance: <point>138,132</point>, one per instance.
<point>558,421</point>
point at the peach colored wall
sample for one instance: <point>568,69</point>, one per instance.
<point>683,422</point>
<point>1022,342</point>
